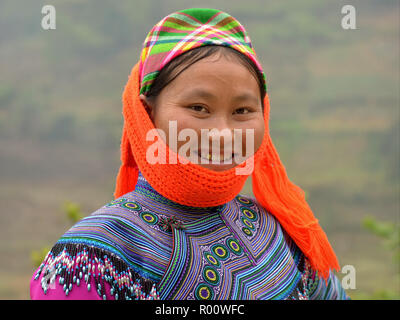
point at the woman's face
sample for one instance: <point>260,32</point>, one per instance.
<point>219,93</point>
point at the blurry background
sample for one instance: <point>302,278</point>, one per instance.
<point>334,97</point>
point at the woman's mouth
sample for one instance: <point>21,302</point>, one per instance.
<point>215,158</point>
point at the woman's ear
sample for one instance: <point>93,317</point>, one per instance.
<point>148,105</point>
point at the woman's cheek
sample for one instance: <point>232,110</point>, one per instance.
<point>172,125</point>
<point>252,139</point>
<point>259,135</point>
<point>189,133</point>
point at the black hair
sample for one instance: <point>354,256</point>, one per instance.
<point>185,60</point>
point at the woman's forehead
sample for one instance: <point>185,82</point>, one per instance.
<point>202,77</point>
<point>204,92</point>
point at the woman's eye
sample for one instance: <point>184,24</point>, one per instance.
<point>242,110</point>
<point>198,108</point>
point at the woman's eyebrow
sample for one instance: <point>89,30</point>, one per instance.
<point>201,93</point>
<point>246,97</point>
<point>197,92</point>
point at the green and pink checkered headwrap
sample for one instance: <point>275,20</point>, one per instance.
<point>188,29</point>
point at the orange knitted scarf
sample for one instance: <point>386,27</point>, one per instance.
<point>193,185</point>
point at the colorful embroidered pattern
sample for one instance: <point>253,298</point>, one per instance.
<point>201,254</point>
<point>149,217</point>
<point>204,292</point>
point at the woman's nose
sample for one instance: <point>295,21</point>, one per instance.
<point>220,123</point>
<point>220,130</point>
<point>219,133</point>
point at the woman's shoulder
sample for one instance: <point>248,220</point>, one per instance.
<point>264,232</point>
<point>122,226</point>
<point>111,245</point>
<point>311,286</point>
<point>262,222</point>
<point>245,201</point>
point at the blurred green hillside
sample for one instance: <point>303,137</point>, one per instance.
<point>334,98</point>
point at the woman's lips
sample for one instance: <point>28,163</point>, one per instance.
<point>215,158</point>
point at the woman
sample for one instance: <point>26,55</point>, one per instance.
<point>178,227</point>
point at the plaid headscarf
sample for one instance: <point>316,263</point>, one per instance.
<point>188,29</point>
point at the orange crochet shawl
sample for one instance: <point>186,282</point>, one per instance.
<point>192,185</point>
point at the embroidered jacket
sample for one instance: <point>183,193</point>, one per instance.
<point>144,246</point>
